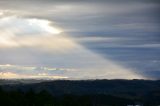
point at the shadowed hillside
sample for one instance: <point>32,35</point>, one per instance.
<point>81,93</point>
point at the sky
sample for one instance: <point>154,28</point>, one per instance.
<point>79,39</point>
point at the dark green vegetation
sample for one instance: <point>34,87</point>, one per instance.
<point>81,93</point>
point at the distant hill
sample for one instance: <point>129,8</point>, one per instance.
<point>20,81</point>
<point>143,91</point>
<point>82,87</point>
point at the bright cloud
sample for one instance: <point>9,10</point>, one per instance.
<point>1,13</point>
<point>28,26</point>
<point>10,75</point>
<point>26,32</point>
<point>43,25</point>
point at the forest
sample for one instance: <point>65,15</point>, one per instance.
<point>72,93</point>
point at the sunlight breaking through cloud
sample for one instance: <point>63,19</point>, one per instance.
<point>25,32</point>
<point>38,39</point>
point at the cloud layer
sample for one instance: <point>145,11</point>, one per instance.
<point>109,36</point>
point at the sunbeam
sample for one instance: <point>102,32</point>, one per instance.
<point>38,38</point>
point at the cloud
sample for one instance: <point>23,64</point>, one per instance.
<point>82,64</point>
<point>95,31</point>
<point>28,32</point>
<point>10,75</point>
<point>39,26</point>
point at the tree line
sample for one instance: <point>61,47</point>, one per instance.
<point>43,98</point>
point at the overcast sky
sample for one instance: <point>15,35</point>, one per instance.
<point>80,39</point>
